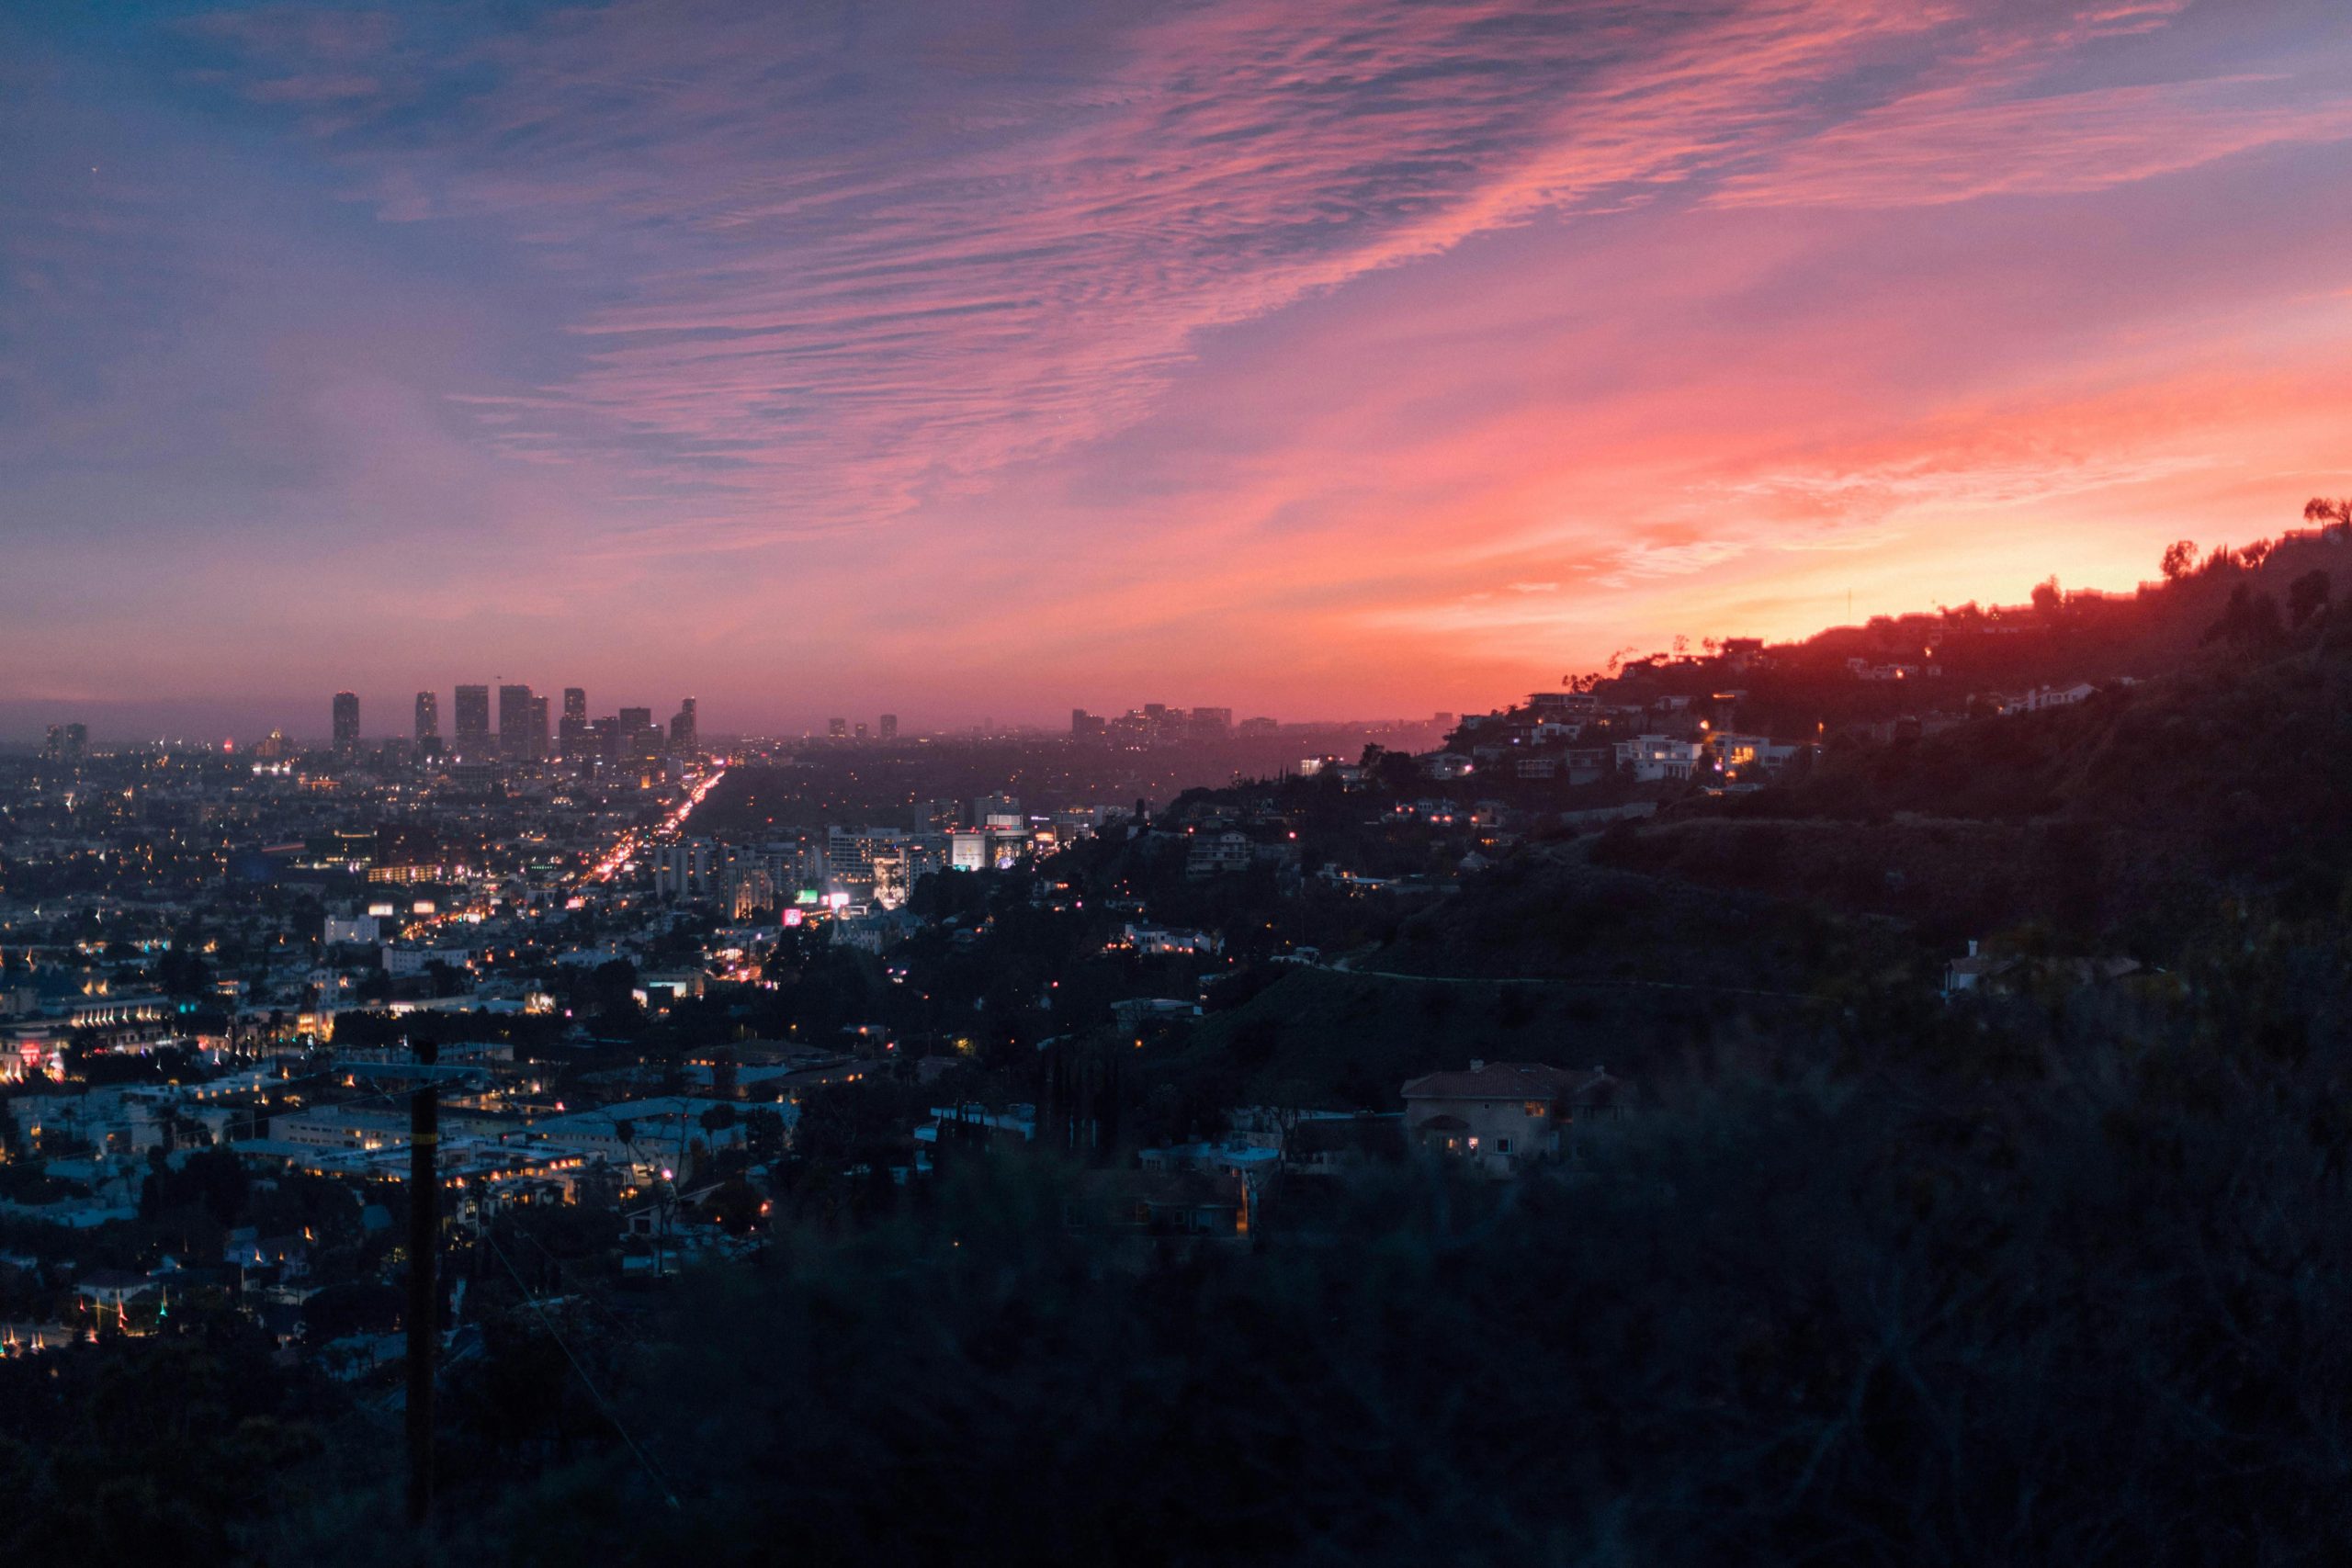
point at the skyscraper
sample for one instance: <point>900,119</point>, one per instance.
<point>346,723</point>
<point>428,717</point>
<point>641,741</point>
<point>684,740</point>
<point>890,727</point>
<point>514,723</point>
<point>837,728</point>
<point>66,742</point>
<point>535,731</point>
<point>473,722</point>
<point>572,730</point>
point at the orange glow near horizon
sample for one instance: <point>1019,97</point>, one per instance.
<point>1321,358</point>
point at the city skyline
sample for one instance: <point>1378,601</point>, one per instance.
<point>348,725</point>
<point>1347,358</point>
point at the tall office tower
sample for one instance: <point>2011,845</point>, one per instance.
<point>428,717</point>
<point>346,723</point>
<point>1211,724</point>
<point>890,727</point>
<point>641,741</point>
<point>837,728</point>
<point>571,742</point>
<point>684,739</point>
<point>473,724</point>
<point>681,869</point>
<point>514,723</point>
<point>861,732</point>
<point>535,730</point>
<point>66,742</point>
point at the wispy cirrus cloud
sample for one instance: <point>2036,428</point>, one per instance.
<point>1325,351</point>
<point>834,268</point>
<point>1952,144</point>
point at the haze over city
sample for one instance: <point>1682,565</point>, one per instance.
<point>1319,359</point>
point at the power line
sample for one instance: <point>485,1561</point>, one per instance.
<point>603,1404</point>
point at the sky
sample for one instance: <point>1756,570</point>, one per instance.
<point>987,358</point>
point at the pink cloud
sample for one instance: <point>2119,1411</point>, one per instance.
<point>1949,145</point>
<point>1312,355</point>
<point>830,313</point>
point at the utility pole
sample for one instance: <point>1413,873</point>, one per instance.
<point>424,1295</point>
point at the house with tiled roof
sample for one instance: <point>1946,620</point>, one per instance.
<point>1502,1116</point>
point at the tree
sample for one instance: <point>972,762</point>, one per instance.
<point>612,991</point>
<point>2323,511</point>
<point>763,1133</point>
<point>735,1206</point>
<point>2180,559</point>
<point>1398,773</point>
<point>2048,599</point>
<point>181,972</point>
<point>2307,596</point>
<point>211,1180</point>
<point>2249,618</point>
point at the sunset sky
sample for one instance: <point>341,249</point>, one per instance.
<point>1311,357</point>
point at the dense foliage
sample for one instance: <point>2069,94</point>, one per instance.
<point>1969,1301</point>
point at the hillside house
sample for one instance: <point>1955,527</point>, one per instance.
<point>1501,1116</point>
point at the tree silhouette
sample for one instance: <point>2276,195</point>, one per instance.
<point>2249,618</point>
<point>2307,596</point>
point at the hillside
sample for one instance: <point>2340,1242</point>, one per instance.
<point>2133,823</point>
<point>1326,1037</point>
<point>1959,659</point>
<point>2128,814</point>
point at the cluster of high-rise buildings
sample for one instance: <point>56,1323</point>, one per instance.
<point>1158,724</point>
<point>840,729</point>
<point>522,732</point>
<point>66,743</point>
